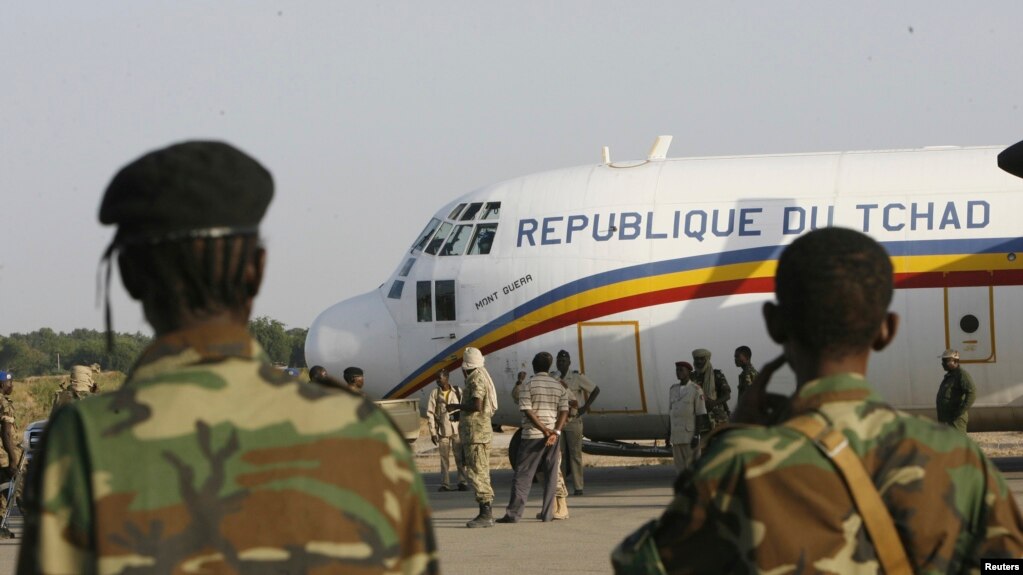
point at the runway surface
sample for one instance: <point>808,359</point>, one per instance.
<point>617,501</point>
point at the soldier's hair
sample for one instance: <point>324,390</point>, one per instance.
<point>317,372</point>
<point>350,373</point>
<point>205,275</point>
<point>542,362</point>
<point>744,350</point>
<point>834,286</point>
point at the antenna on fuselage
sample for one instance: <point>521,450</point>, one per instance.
<point>605,154</point>
<point>660,149</point>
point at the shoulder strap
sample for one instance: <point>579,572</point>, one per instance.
<point>876,517</point>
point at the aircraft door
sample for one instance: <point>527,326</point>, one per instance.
<point>609,355</point>
<point>970,323</point>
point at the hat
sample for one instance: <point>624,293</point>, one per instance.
<point>950,354</point>
<point>564,354</point>
<point>472,358</point>
<point>684,364</point>
<point>701,353</point>
<point>187,190</point>
<point>5,376</point>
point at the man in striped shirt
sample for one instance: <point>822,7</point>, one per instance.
<point>544,405</point>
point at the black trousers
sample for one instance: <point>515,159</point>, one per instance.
<point>533,454</point>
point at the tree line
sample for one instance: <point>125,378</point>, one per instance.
<point>46,352</point>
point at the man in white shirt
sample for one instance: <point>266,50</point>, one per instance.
<point>444,432</point>
<point>686,405</point>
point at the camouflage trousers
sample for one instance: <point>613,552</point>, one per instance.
<point>959,423</point>
<point>719,416</point>
<point>477,467</point>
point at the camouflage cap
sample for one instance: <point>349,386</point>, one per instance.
<point>701,353</point>
<point>950,354</point>
<point>190,189</point>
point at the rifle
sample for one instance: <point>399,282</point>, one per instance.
<point>11,489</point>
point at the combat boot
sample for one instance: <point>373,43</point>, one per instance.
<point>484,519</point>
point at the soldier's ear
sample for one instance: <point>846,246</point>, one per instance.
<point>254,272</point>
<point>775,321</point>
<point>132,281</point>
<point>886,333</point>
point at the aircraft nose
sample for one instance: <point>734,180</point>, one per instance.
<point>357,332</point>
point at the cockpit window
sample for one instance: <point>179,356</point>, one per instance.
<point>407,267</point>
<point>455,245</point>
<point>492,211</point>
<point>425,235</point>
<point>445,300</point>
<point>424,307</point>
<point>454,213</point>
<point>471,211</point>
<point>451,238</point>
<point>483,239</point>
<point>438,239</point>
<point>442,300</point>
<point>396,288</point>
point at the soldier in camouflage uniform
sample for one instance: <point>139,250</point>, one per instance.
<point>479,402</point>
<point>766,498</point>
<point>743,355</point>
<point>79,386</point>
<point>715,387</point>
<point>207,459</point>
<point>956,392</point>
<point>10,455</point>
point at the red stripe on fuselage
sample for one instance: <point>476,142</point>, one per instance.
<point>726,288</point>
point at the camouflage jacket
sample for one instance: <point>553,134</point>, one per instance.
<point>746,377</point>
<point>765,498</point>
<point>955,395</point>
<point>210,460</point>
<point>63,397</point>
<point>717,398</point>
<point>11,436</point>
<point>475,427</point>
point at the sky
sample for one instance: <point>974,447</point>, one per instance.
<point>373,115</point>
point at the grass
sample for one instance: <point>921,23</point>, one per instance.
<point>33,396</point>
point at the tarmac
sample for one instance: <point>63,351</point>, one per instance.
<point>618,500</point>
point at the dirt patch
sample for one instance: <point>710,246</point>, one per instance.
<point>1000,443</point>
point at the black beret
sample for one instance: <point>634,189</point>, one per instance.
<point>562,354</point>
<point>191,189</point>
